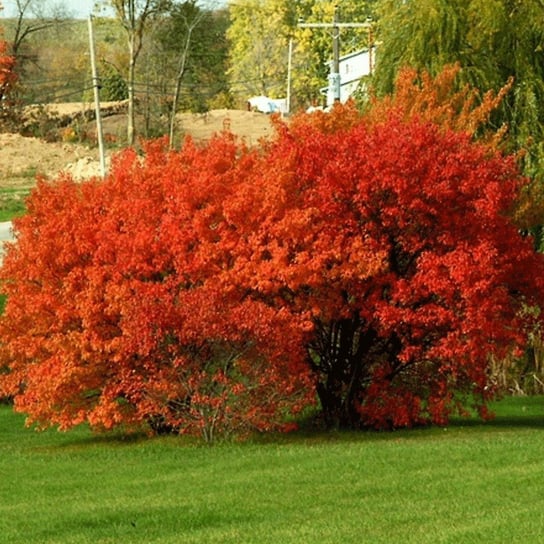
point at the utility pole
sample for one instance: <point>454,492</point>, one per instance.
<point>335,84</point>
<point>333,92</point>
<point>289,70</point>
<point>96,88</point>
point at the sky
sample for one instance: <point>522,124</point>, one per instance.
<point>80,9</point>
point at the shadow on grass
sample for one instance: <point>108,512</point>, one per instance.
<point>512,413</point>
<point>528,421</point>
<point>120,439</point>
<point>82,437</point>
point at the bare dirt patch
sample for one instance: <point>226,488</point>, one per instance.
<point>22,158</point>
<point>248,125</point>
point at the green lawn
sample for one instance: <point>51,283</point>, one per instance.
<point>12,202</point>
<point>468,483</point>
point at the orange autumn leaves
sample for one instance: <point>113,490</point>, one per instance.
<point>128,322</point>
<point>365,261</point>
<point>8,77</point>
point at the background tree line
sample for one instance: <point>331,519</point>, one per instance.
<point>207,55</point>
<point>185,55</point>
<point>52,60</point>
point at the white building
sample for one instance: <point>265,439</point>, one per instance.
<point>352,68</point>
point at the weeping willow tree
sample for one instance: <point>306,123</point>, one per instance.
<point>419,34</point>
<point>492,40</point>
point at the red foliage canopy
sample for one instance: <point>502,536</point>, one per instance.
<point>394,239</point>
<point>8,76</point>
<point>111,317</point>
<point>215,289</point>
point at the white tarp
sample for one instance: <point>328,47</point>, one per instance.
<point>265,104</point>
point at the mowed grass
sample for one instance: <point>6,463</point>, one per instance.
<point>12,202</point>
<point>470,482</point>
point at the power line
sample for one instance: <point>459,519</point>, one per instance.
<point>333,93</point>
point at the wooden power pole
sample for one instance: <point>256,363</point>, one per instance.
<point>333,92</point>
<point>96,88</point>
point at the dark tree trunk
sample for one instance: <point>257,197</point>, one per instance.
<point>342,357</point>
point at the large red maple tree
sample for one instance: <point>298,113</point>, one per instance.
<point>369,261</point>
<point>394,240</point>
<point>115,315</point>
